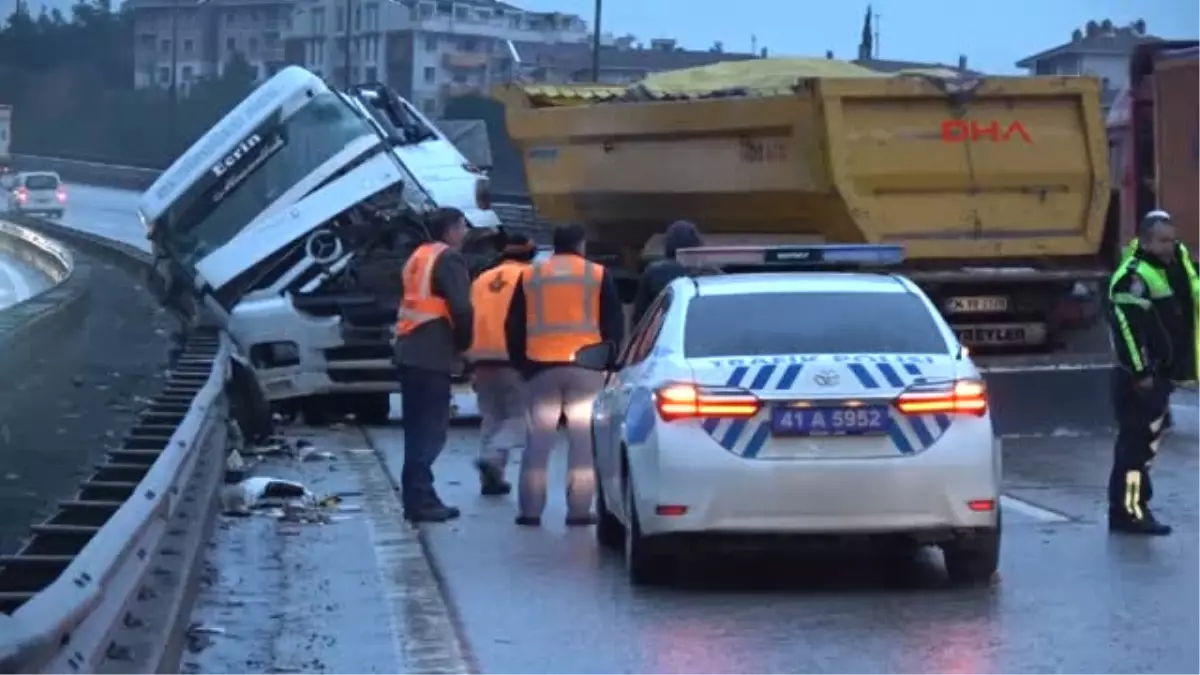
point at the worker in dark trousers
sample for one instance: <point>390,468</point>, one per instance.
<point>1185,285</point>
<point>1148,324</point>
<point>660,273</point>
<point>434,328</point>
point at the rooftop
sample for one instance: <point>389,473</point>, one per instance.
<point>1101,38</point>
<point>663,55</point>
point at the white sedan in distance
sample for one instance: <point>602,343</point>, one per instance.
<point>758,402</point>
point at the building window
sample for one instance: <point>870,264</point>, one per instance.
<point>444,9</point>
<point>164,74</point>
<point>426,10</point>
<point>339,20</point>
<point>461,13</point>
<point>189,46</point>
<point>372,16</point>
<point>430,75</point>
<point>253,45</point>
<point>270,38</point>
<point>372,74</point>
<point>187,74</point>
<point>358,18</point>
<point>165,46</point>
<point>429,106</point>
<point>468,44</point>
<point>431,43</point>
<point>229,18</point>
<point>231,44</point>
<point>318,20</point>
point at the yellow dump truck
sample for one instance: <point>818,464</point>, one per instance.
<point>997,187</point>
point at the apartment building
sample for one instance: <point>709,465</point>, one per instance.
<point>428,50</point>
<point>201,37</point>
<point>1101,49</point>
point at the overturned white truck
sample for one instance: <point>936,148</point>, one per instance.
<point>285,226</point>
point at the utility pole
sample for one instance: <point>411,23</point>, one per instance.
<point>174,70</point>
<point>596,45</point>
<point>349,34</point>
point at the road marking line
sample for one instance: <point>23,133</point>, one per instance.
<point>1032,510</point>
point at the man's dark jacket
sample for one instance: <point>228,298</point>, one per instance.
<point>436,345</point>
<point>611,320</point>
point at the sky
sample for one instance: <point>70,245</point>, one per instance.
<point>993,35</point>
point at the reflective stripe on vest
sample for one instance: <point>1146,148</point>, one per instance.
<point>1194,281</point>
<point>491,296</point>
<point>1158,287</point>
<point>562,307</point>
<point>419,305</point>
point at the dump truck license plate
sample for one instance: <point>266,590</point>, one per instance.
<point>977,304</point>
<point>1001,334</point>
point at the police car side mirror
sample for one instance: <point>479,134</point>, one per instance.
<point>600,356</point>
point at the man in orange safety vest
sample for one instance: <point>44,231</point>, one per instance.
<point>498,385</point>
<point>433,328</point>
<point>562,304</point>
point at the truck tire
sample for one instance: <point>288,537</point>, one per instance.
<point>249,405</point>
<point>372,409</point>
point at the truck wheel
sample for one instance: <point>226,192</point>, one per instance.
<point>249,405</point>
<point>372,409</point>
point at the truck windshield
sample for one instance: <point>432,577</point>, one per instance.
<point>265,165</point>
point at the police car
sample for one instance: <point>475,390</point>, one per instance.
<point>812,402</point>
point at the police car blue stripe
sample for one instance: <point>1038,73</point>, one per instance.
<point>896,434</point>
<point>923,436</point>
<point>731,434</point>
<point>864,376</point>
<point>710,424</point>
<point>943,421</point>
<point>889,374</point>
<point>912,369</point>
<point>735,378</point>
<point>763,377</point>
<point>789,377</point>
<point>758,440</point>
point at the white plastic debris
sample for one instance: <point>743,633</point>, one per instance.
<point>241,498</point>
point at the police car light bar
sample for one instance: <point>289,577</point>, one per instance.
<point>831,255</point>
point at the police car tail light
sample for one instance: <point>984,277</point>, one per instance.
<point>61,194</point>
<point>683,401</point>
<point>964,397</point>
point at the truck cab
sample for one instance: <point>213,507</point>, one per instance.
<point>276,224</point>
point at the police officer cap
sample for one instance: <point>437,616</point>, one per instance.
<point>1157,215</point>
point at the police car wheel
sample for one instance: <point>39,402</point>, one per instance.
<point>645,561</point>
<point>610,533</point>
<point>974,558</point>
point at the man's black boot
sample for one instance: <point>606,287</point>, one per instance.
<point>491,480</point>
<point>434,513</point>
<point>1148,526</point>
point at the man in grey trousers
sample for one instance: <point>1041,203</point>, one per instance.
<point>499,388</point>
<point>563,303</point>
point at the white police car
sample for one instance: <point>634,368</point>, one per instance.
<point>799,402</point>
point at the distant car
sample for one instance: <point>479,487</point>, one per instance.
<point>793,403</point>
<point>37,192</point>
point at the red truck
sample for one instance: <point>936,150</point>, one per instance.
<point>1154,141</point>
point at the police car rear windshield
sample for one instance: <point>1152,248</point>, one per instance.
<point>810,323</point>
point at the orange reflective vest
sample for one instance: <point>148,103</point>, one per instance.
<point>562,307</point>
<point>419,305</point>
<point>491,296</point>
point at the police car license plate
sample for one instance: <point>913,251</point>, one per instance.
<point>867,420</point>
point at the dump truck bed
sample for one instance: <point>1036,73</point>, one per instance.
<point>990,170</point>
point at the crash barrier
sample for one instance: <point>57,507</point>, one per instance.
<point>99,584</point>
<point>33,322</point>
<point>139,178</point>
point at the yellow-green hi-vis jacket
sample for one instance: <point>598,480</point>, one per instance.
<point>1185,256</point>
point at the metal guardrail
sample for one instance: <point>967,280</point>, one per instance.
<point>99,583</point>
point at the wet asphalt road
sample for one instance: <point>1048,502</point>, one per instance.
<point>1070,597</point>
